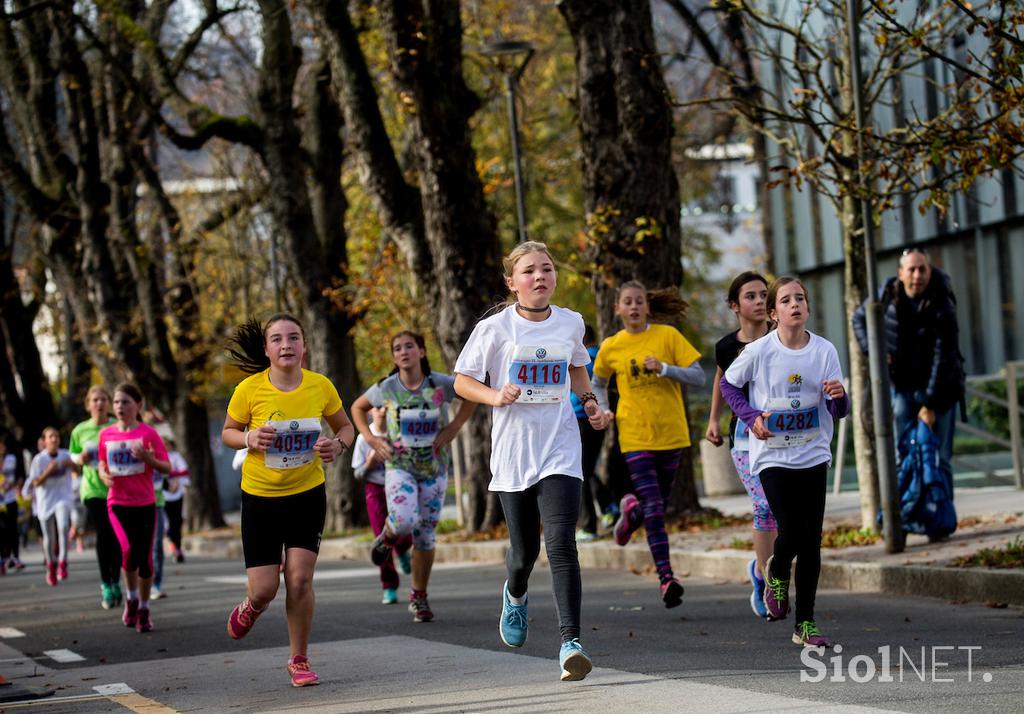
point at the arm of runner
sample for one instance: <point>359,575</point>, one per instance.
<point>344,435</point>
<point>147,456</point>
<point>380,446</point>
<point>234,435</point>
<point>448,434</point>
<point>580,381</point>
<point>741,408</point>
<point>692,375</point>
<point>474,390</point>
<point>600,386</point>
<point>713,433</point>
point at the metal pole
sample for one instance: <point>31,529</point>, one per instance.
<point>1014,411</point>
<point>511,79</point>
<point>892,529</point>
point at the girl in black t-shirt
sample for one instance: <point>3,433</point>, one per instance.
<point>748,295</point>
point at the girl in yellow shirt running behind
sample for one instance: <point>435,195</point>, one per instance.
<point>284,503</point>
<point>650,362</point>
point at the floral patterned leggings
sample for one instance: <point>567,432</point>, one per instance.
<point>414,505</point>
<point>763,518</point>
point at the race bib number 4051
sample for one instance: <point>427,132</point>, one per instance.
<point>293,443</point>
<point>542,374</point>
<point>121,461</point>
<point>791,423</point>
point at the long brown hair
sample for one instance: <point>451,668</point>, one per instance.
<point>420,342</point>
<point>250,340</point>
<point>666,304</point>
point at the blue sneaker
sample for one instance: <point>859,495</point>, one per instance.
<point>513,625</point>
<point>389,597</point>
<point>757,596</point>
<point>574,661</point>
<point>405,562</point>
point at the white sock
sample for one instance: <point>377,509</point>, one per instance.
<point>144,604</point>
<point>133,594</point>
<point>517,600</point>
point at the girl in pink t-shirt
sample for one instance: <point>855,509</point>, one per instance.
<point>129,452</point>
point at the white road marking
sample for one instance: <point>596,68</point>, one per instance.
<point>109,690</point>
<point>9,633</point>
<point>347,574</point>
<point>63,656</point>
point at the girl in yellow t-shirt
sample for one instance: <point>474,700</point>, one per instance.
<point>284,503</point>
<point>650,361</point>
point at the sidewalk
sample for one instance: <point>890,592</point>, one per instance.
<point>989,518</point>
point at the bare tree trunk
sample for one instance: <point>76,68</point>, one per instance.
<point>631,194</point>
<point>447,234</point>
<point>309,214</point>
<point>855,291</point>
<point>32,408</point>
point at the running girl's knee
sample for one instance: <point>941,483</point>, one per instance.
<point>423,536</point>
<point>763,518</point>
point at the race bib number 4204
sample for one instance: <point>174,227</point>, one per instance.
<point>791,423</point>
<point>293,443</point>
<point>540,373</point>
<point>419,426</point>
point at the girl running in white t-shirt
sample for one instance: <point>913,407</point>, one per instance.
<point>533,353</point>
<point>796,391</point>
<point>49,484</point>
<point>748,296</point>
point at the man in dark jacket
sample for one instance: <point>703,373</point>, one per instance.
<point>922,343</point>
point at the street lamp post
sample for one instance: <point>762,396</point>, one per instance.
<point>511,49</point>
<point>892,528</point>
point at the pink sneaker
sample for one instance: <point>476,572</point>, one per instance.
<point>630,518</point>
<point>302,675</point>
<point>242,618</point>
<point>131,612</point>
<point>672,593</point>
<point>62,570</point>
<point>51,573</point>
<point>143,623</point>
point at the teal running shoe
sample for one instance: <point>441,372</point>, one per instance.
<point>389,597</point>
<point>513,625</point>
<point>574,661</point>
<point>405,562</point>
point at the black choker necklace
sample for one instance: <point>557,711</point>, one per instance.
<point>533,309</point>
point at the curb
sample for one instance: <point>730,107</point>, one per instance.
<point>957,584</point>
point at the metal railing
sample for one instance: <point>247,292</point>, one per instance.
<point>1014,411</point>
<point>1011,404</point>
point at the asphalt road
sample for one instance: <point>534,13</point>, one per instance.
<point>711,654</point>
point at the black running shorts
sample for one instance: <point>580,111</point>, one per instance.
<point>272,523</point>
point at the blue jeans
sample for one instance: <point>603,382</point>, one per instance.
<point>905,406</point>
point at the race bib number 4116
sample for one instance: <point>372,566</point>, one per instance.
<point>293,443</point>
<point>541,374</point>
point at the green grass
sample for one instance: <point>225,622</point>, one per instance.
<point>1012,556</point>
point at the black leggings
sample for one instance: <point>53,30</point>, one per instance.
<point>9,540</point>
<point>173,510</point>
<point>554,502</point>
<point>135,527</point>
<point>108,550</point>
<point>797,499</point>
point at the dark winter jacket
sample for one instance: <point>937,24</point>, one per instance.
<point>922,340</point>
